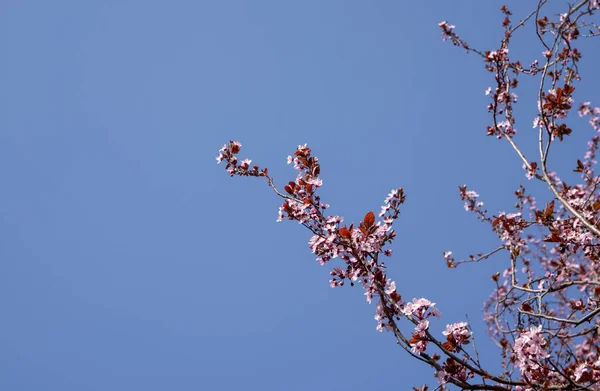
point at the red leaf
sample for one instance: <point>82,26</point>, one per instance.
<point>450,346</point>
<point>369,219</point>
<point>549,212</point>
<point>345,233</point>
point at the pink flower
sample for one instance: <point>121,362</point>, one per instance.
<point>390,288</point>
<point>417,308</point>
<point>418,347</point>
<point>391,195</point>
<point>302,148</point>
<point>444,24</point>
<point>245,164</point>
<point>380,317</point>
<point>459,331</point>
<point>422,326</point>
<point>315,181</point>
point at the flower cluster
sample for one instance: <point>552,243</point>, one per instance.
<point>509,227</point>
<point>586,109</point>
<point>449,259</point>
<point>457,334</point>
<point>228,154</point>
<point>419,310</point>
<point>453,371</point>
<point>587,371</point>
<point>472,204</point>
<point>530,351</point>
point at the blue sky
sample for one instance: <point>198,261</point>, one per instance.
<point>130,260</point>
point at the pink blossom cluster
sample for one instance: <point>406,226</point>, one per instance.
<point>472,204</point>
<point>586,109</point>
<point>457,334</point>
<point>228,154</point>
<point>509,227</point>
<point>531,170</point>
<point>588,372</point>
<point>419,311</point>
<point>447,31</point>
<point>452,371</point>
<point>530,351</point>
<point>449,259</point>
<point>569,231</point>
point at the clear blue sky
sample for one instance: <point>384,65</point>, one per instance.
<point>131,261</point>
